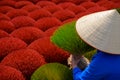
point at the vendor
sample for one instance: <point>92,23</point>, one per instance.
<point>100,30</point>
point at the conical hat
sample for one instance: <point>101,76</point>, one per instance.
<point>101,30</point>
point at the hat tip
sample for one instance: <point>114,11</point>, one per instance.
<point>118,9</point>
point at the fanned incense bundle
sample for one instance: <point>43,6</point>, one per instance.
<point>67,38</point>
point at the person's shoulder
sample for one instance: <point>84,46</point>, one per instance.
<point>98,54</point>
<point>103,56</point>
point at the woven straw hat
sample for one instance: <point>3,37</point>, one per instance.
<point>101,30</point>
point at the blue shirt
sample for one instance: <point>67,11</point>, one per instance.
<point>103,66</point>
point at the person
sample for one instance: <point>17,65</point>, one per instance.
<point>100,30</point>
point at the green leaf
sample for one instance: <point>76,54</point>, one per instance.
<point>52,71</point>
<point>67,38</point>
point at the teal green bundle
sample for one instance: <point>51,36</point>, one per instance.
<point>52,71</point>
<point>67,38</point>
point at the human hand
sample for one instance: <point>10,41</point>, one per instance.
<point>78,61</point>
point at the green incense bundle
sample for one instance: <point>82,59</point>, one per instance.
<point>118,9</point>
<point>67,38</point>
<point>52,71</point>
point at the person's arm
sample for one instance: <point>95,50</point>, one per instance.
<point>94,71</point>
<point>76,73</point>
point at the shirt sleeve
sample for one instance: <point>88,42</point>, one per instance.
<point>76,73</point>
<point>95,70</point>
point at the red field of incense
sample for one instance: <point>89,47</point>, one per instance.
<point>26,27</point>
